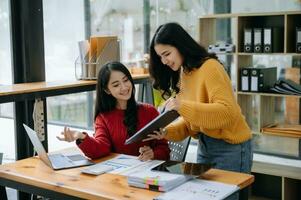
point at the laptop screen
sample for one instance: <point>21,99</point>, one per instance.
<point>37,144</point>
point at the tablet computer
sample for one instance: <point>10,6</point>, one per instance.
<point>159,122</point>
<point>185,168</point>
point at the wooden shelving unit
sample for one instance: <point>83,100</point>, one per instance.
<point>260,109</point>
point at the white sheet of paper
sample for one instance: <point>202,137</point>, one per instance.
<point>126,164</point>
<point>199,189</point>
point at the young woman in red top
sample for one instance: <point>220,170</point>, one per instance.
<point>117,117</point>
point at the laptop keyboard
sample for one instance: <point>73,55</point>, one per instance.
<point>59,160</point>
<point>76,157</point>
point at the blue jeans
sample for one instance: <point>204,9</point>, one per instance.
<point>226,156</point>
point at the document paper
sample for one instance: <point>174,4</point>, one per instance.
<point>199,189</point>
<point>126,164</point>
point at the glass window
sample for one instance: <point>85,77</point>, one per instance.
<point>64,26</point>
<point>121,18</point>
<point>184,12</point>
<point>246,6</point>
<point>7,143</point>
<point>5,54</point>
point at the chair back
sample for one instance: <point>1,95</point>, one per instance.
<point>178,150</point>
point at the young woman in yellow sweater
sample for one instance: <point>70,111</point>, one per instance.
<point>204,99</point>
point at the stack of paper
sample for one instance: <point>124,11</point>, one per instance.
<point>286,86</point>
<point>199,189</point>
<point>122,164</point>
<point>156,180</point>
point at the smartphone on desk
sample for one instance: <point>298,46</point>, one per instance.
<point>185,168</point>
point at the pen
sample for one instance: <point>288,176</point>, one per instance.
<point>163,110</point>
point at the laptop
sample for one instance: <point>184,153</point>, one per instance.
<point>159,122</point>
<point>58,160</point>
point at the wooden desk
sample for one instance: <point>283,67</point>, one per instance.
<point>33,176</point>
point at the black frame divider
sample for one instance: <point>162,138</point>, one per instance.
<point>146,25</point>
<point>28,63</point>
<point>87,15</point>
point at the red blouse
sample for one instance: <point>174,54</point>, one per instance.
<point>110,135</point>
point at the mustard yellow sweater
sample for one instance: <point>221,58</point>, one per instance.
<point>207,104</point>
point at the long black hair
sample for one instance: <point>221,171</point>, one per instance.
<point>194,55</point>
<point>106,102</point>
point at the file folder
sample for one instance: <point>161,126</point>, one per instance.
<point>258,36</point>
<point>92,58</point>
<point>298,39</point>
<point>248,37</point>
<point>102,49</point>
<point>286,86</point>
<point>267,37</point>
<point>273,39</point>
<point>263,79</point>
<point>108,49</point>
<point>245,79</point>
<point>84,47</point>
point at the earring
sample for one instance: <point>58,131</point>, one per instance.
<point>108,92</point>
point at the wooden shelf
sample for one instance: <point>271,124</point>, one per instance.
<point>30,91</point>
<point>248,14</point>
<point>267,94</point>
<point>273,165</point>
<point>268,54</point>
<point>282,134</point>
<point>260,108</point>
